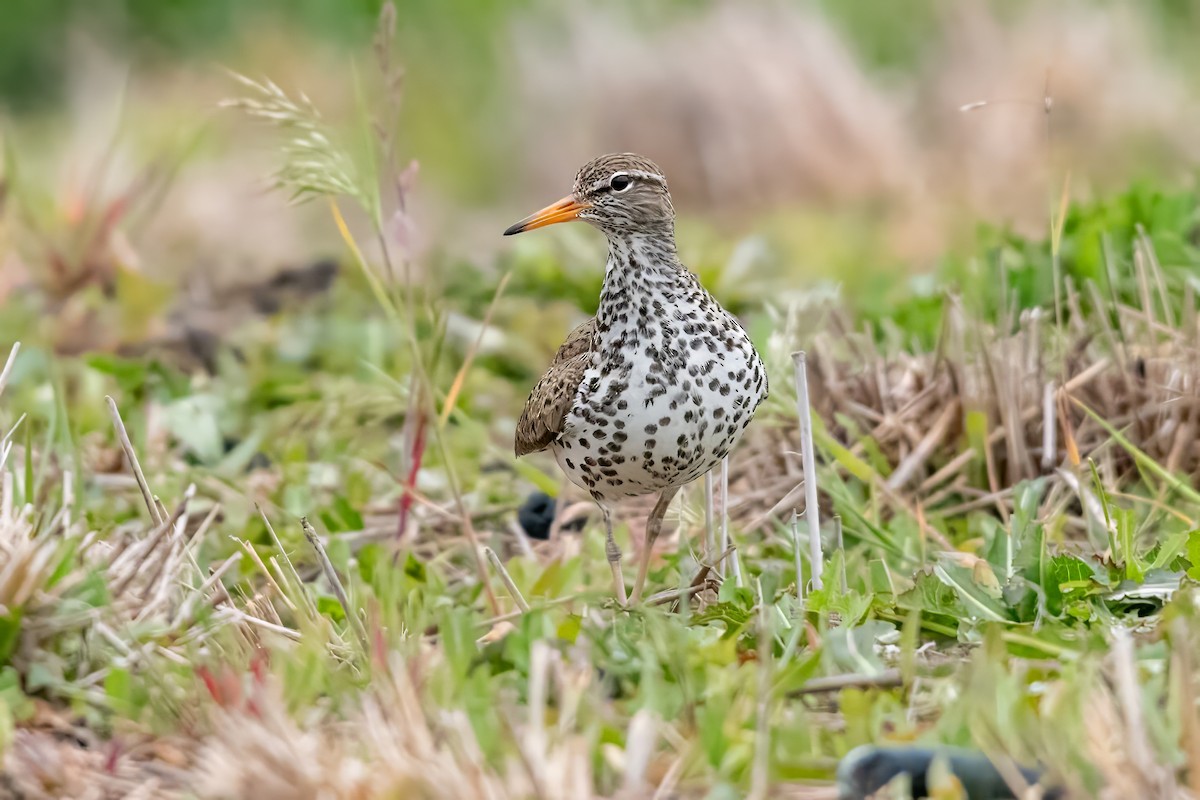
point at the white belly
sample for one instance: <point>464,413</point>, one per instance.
<point>662,416</point>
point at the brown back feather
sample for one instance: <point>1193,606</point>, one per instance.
<point>542,420</point>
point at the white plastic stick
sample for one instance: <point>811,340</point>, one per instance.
<point>809,462</point>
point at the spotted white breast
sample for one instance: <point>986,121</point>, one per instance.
<point>672,383</point>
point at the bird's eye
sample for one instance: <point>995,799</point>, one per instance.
<point>620,183</point>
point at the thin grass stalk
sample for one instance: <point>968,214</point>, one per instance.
<point>334,581</point>
<point>1123,663</point>
<point>258,562</point>
<point>735,563</point>
<point>284,111</point>
<point>1049,428</point>
<point>8,365</point>
<point>461,377</point>
<point>760,768</point>
<point>413,452</point>
<point>468,526</point>
<point>536,741</point>
<point>131,455</point>
<point>506,579</point>
<point>6,498</point>
<point>68,498</point>
<point>710,534</point>
<point>797,558</point>
<point>1183,676</point>
<point>311,606</point>
<point>640,743</point>
<point>840,545</point>
<point>809,464</point>
<point>558,601</point>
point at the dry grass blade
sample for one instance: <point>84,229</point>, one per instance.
<point>887,679</point>
<point>131,457</point>
<point>509,584</point>
<point>8,365</point>
<point>335,583</point>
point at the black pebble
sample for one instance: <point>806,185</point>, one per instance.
<point>536,515</point>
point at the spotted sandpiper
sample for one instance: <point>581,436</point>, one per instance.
<point>655,390</point>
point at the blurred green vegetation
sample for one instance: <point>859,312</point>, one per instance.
<point>458,104</point>
<point>36,34</point>
<point>460,34</point>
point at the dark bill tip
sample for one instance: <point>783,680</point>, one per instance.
<point>517,228</point>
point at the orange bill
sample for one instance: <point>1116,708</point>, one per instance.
<point>564,210</point>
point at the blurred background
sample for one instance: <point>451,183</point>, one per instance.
<point>804,141</point>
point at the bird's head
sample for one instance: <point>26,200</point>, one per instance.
<point>622,193</point>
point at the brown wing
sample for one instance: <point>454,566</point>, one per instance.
<point>550,400</point>
<point>578,341</point>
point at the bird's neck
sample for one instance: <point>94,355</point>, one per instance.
<point>642,268</point>
<point>652,246</point>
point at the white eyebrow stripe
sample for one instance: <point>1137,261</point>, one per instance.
<point>633,173</point>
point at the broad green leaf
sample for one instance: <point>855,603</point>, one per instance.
<point>978,601</point>
<point>1193,555</point>
<point>732,614</point>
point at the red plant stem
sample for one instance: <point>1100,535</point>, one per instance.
<point>417,419</point>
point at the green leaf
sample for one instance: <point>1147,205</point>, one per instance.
<point>732,614</point>
<point>527,471</point>
<point>555,578</point>
<point>341,516</point>
<point>978,601</point>
<point>930,595</point>
<point>1166,552</point>
<point>12,696</point>
<point>568,629</point>
<point>126,696</point>
<point>852,463</point>
<point>92,591</point>
<point>1193,555</point>
<point>797,673</point>
<point>66,562</point>
<point>331,608</point>
<point>415,569</point>
<point>129,374</point>
<point>10,633</point>
<point>710,719</point>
